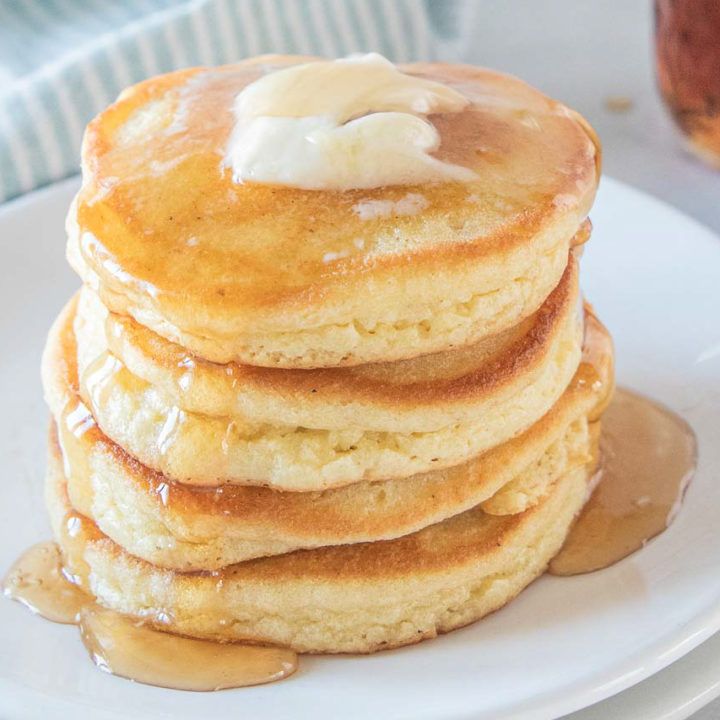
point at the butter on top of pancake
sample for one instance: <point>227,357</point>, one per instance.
<point>342,124</point>
<point>288,277</point>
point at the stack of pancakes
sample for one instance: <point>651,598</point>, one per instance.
<point>334,421</point>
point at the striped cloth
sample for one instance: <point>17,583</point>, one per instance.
<point>62,61</point>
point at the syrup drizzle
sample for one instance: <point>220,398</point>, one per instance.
<point>648,457</point>
<point>127,648</point>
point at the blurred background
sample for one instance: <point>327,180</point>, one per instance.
<point>61,61</point>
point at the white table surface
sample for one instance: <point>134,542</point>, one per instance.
<point>582,52</point>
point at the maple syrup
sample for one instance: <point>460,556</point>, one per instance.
<point>130,649</point>
<point>648,456</point>
<point>37,581</point>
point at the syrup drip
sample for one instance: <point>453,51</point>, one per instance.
<point>128,648</point>
<point>37,581</point>
<point>648,456</point>
<point>106,371</point>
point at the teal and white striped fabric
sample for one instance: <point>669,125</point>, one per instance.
<point>62,61</point>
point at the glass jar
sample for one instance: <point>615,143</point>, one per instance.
<point>687,48</point>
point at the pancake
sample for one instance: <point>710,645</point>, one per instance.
<point>504,393</point>
<point>185,528</point>
<point>528,488</point>
<point>283,277</point>
<point>189,528</point>
<point>353,598</point>
<point>418,395</point>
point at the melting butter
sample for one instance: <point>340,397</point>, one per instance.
<point>352,123</point>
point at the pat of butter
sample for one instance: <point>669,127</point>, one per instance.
<point>343,124</point>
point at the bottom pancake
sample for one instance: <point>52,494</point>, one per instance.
<point>353,598</point>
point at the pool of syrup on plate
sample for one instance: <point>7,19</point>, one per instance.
<point>648,455</point>
<point>128,648</point>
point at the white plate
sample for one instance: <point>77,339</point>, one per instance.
<point>675,693</point>
<point>565,643</point>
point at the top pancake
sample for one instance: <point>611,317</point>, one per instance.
<point>277,276</point>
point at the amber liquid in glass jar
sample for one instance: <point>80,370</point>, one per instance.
<point>687,46</point>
